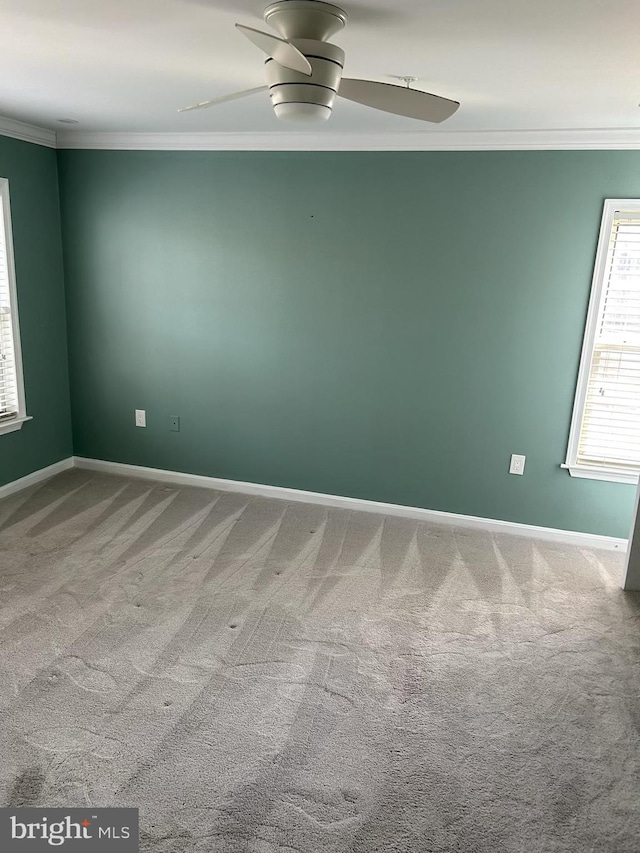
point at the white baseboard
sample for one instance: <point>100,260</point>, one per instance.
<point>36,477</point>
<point>570,537</point>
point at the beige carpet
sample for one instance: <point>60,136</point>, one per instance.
<point>264,676</point>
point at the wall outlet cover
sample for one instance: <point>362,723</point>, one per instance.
<point>517,464</point>
<point>141,418</point>
<point>174,424</point>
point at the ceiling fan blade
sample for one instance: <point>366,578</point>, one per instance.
<point>397,99</point>
<point>282,51</point>
<point>202,105</point>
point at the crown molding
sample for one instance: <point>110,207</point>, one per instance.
<point>27,132</point>
<point>586,139</point>
<point>484,140</point>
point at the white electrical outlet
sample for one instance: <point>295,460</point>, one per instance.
<point>141,418</point>
<point>517,464</point>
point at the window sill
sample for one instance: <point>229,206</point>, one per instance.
<point>13,424</point>
<point>612,475</point>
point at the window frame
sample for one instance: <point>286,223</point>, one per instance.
<point>14,423</point>
<point>599,472</point>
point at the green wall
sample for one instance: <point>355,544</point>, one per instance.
<point>389,326</point>
<point>35,214</point>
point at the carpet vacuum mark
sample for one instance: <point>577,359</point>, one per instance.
<point>269,677</point>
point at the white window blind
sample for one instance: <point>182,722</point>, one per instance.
<point>605,439</point>
<point>12,405</point>
<point>9,403</point>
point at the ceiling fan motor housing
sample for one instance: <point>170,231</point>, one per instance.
<point>305,19</point>
<point>299,98</point>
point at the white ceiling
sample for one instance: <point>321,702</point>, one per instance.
<point>127,65</point>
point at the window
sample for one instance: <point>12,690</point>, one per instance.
<point>12,405</point>
<point>604,441</point>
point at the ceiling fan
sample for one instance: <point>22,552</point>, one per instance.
<point>304,71</point>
